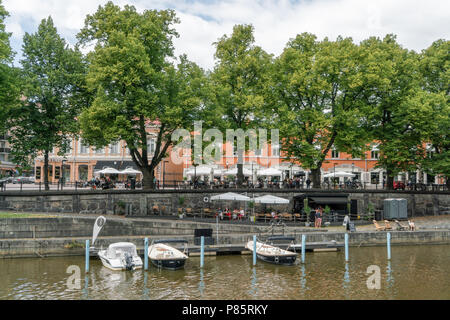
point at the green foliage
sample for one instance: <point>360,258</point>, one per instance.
<point>134,85</point>
<point>327,210</point>
<point>9,86</point>
<point>435,72</point>
<point>317,93</point>
<point>238,82</point>
<point>46,116</point>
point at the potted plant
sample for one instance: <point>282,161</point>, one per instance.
<point>370,210</point>
<point>121,207</point>
<point>181,201</point>
<point>251,206</point>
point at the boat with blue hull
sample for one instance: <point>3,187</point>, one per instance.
<point>165,256</point>
<point>273,254</point>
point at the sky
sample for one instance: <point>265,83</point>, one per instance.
<point>417,23</point>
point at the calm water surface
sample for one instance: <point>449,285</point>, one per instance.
<point>415,272</point>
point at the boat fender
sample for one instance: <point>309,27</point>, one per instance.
<point>276,259</point>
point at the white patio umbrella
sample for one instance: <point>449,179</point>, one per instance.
<point>230,196</point>
<point>269,172</point>
<point>108,171</point>
<point>233,172</point>
<point>271,199</point>
<point>339,174</point>
<point>130,171</point>
<point>199,171</point>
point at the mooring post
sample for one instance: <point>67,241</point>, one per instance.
<point>146,254</point>
<point>87,256</point>
<point>254,250</point>
<point>303,247</point>
<point>202,252</point>
<point>389,245</point>
<point>346,247</point>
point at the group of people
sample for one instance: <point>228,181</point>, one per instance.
<point>318,217</point>
<point>102,183</point>
<point>231,215</point>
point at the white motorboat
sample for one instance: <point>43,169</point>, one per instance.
<point>272,254</point>
<point>121,256</point>
<point>165,256</point>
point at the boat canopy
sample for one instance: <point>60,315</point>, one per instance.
<point>115,249</point>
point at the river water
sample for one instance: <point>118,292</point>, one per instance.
<point>414,272</point>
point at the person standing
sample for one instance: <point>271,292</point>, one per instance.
<point>308,183</point>
<point>319,216</point>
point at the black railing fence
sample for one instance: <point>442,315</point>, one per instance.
<point>199,185</point>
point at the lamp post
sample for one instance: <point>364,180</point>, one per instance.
<point>334,174</point>
<point>62,173</point>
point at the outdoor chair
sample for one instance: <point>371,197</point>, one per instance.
<point>387,225</point>
<point>378,227</point>
<point>401,227</point>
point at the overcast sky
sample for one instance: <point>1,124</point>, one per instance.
<point>417,23</point>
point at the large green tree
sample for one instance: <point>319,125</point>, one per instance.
<point>317,95</point>
<point>397,114</point>
<point>435,81</point>
<point>238,82</point>
<point>9,89</point>
<point>135,87</point>
<point>46,116</point>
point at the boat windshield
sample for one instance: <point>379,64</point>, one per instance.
<point>117,251</point>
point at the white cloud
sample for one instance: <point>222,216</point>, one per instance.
<point>417,23</point>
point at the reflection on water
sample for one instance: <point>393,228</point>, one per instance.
<point>413,273</point>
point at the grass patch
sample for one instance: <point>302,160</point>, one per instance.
<point>8,215</point>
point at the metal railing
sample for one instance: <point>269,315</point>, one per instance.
<point>185,185</point>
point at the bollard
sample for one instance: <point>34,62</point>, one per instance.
<point>146,254</point>
<point>389,246</point>
<point>254,250</point>
<point>303,247</point>
<point>87,256</point>
<point>346,246</point>
<point>202,252</point>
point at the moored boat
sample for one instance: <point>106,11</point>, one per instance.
<point>272,254</point>
<point>165,256</point>
<point>121,256</point>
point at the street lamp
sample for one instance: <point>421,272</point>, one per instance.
<point>334,174</point>
<point>62,173</point>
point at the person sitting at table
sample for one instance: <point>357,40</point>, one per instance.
<point>241,214</point>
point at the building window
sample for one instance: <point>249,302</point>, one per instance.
<point>374,154</point>
<point>83,172</point>
<point>57,172</point>
<point>275,151</point>
<point>69,148</point>
<point>100,151</point>
<point>84,148</point>
<point>335,154</point>
<point>114,148</point>
<point>375,177</point>
<point>38,173</point>
<point>151,146</point>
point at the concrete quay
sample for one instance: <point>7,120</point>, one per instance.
<point>66,235</point>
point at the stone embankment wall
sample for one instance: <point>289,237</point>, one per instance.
<point>65,236</point>
<point>142,203</point>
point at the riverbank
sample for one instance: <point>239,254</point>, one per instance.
<point>41,235</point>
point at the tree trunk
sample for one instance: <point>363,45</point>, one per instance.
<point>447,182</point>
<point>315,177</point>
<point>47,187</point>
<point>389,180</point>
<point>148,178</point>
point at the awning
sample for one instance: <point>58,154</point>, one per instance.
<point>329,200</point>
